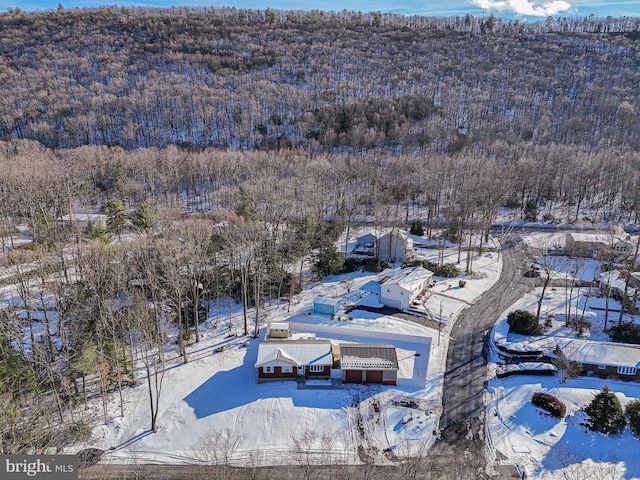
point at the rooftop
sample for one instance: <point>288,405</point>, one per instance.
<point>601,353</point>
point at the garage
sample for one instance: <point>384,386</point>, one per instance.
<point>353,376</point>
<point>374,376</point>
<point>374,363</point>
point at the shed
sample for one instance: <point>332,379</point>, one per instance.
<point>368,363</point>
<point>403,288</point>
<point>326,306</point>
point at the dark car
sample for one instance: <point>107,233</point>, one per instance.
<point>532,273</point>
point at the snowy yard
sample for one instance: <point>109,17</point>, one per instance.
<point>216,392</point>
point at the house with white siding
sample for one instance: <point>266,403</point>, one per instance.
<point>404,287</point>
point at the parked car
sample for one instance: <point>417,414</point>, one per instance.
<point>532,273</point>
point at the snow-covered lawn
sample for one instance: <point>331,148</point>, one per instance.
<point>546,447</point>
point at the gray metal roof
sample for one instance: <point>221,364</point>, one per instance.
<point>364,356</point>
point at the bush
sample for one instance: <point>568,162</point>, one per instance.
<point>523,322</point>
<point>549,403</point>
<point>626,332</point>
<point>606,413</point>
<point>447,270</point>
<point>580,325</point>
<point>366,264</point>
<point>633,414</point>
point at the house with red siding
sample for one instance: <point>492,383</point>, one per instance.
<point>290,359</point>
<point>602,359</point>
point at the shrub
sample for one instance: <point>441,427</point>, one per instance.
<point>626,332</point>
<point>549,403</point>
<point>580,325</point>
<point>366,264</point>
<point>633,414</point>
<point>447,270</point>
<point>606,413</point>
<point>523,322</point>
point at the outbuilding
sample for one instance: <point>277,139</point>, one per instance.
<point>368,363</point>
<point>326,306</point>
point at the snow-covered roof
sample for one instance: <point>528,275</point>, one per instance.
<point>333,302</point>
<point>295,352</point>
<point>368,356</point>
<point>601,353</point>
<point>591,237</point>
<point>410,278</point>
<point>279,326</point>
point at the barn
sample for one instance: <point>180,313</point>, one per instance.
<point>368,363</point>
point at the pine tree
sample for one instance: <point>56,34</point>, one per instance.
<point>416,228</point>
<point>606,413</point>
<point>633,414</point>
<point>144,218</point>
<point>116,216</point>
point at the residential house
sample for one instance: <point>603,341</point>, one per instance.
<point>291,359</point>
<point>366,243</point>
<point>326,306</point>
<point>613,282</point>
<point>386,244</point>
<point>394,246</point>
<point>597,245</point>
<point>401,289</point>
<point>368,363</point>
<point>602,359</point>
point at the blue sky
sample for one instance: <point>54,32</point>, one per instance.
<point>523,9</point>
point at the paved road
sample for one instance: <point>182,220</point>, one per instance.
<point>462,422</point>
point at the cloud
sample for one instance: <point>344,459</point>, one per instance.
<point>525,7</point>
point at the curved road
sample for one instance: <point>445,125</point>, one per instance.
<point>462,421</point>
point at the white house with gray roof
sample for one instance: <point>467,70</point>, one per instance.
<point>399,290</point>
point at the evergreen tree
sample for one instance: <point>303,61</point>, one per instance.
<point>606,413</point>
<point>328,261</point>
<point>144,218</point>
<point>116,216</point>
<point>633,414</point>
<point>416,228</point>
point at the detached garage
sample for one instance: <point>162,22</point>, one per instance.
<point>368,363</point>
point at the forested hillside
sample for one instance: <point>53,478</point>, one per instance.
<point>322,81</point>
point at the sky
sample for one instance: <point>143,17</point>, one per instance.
<point>529,10</point>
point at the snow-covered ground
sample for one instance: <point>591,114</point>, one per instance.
<point>543,446</point>
<point>216,393</point>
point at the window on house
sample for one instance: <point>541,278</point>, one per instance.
<point>316,368</point>
<point>627,370</point>
<point>602,367</point>
<point>286,369</point>
<point>267,369</point>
